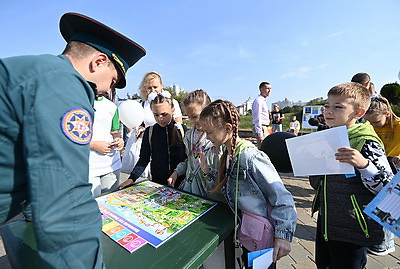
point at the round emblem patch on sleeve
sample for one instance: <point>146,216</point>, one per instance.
<point>77,125</point>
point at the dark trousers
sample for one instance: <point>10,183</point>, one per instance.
<point>338,255</point>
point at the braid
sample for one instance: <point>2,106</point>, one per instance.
<point>233,115</point>
<point>222,112</point>
<point>221,175</point>
<point>198,97</point>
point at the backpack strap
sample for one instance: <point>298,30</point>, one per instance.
<point>150,134</point>
<point>242,144</point>
<point>181,130</point>
<point>179,126</point>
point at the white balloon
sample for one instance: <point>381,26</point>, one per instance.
<point>131,113</point>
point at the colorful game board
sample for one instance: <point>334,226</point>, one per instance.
<point>153,212</point>
<point>385,207</point>
<point>124,237</point>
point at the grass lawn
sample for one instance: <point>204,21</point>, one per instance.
<point>246,122</point>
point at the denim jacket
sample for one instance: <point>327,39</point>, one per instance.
<point>259,182</point>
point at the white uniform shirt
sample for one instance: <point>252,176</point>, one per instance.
<point>260,114</point>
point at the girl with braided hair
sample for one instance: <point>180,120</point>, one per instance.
<point>247,178</point>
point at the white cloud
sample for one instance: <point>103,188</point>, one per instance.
<point>335,34</point>
<point>302,72</point>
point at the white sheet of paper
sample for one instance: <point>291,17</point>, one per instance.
<point>314,154</point>
<point>264,261</point>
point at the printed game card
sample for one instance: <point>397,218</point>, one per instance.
<point>385,207</point>
<point>124,237</point>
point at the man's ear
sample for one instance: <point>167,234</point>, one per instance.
<point>97,61</point>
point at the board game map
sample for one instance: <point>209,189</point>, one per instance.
<point>152,211</point>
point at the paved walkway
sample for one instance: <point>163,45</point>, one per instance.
<point>302,254</point>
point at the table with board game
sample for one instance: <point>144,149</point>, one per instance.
<point>145,226</point>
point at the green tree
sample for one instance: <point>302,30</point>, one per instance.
<point>391,91</point>
<point>177,96</point>
<point>317,101</point>
<point>133,97</point>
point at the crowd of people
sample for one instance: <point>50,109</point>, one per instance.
<point>56,179</point>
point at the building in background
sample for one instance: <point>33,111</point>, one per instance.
<point>288,103</point>
<point>176,88</point>
<point>245,108</point>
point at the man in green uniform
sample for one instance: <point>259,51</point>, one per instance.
<point>46,118</point>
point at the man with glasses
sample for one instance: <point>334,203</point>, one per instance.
<point>46,121</point>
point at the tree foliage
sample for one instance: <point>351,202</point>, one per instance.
<point>316,102</point>
<point>177,96</point>
<point>294,111</point>
<point>133,97</point>
<point>391,91</point>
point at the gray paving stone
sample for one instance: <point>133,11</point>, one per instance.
<point>305,265</point>
<point>373,263</point>
<point>299,254</point>
<point>309,246</point>
<point>286,262</point>
<point>388,261</point>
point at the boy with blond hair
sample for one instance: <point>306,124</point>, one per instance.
<point>343,231</point>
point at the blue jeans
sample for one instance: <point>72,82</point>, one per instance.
<point>276,128</point>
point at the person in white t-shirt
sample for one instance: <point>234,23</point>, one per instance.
<point>294,125</point>
<point>105,159</point>
<point>260,113</point>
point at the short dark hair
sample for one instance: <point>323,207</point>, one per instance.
<point>362,78</point>
<point>262,84</point>
<point>78,50</point>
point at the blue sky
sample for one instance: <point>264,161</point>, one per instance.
<point>227,48</point>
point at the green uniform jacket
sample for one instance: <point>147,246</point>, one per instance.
<point>46,118</point>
